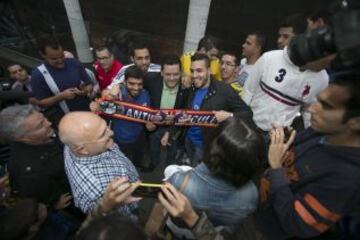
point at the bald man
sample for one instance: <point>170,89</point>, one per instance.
<point>93,160</point>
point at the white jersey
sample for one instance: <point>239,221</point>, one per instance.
<point>119,78</point>
<point>244,72</point>
<point>277,89</point>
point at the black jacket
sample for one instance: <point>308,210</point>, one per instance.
<point>155,87</point>
<point>221,96</point>
<point>38,171</point>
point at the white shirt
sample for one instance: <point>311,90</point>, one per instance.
<point>244,72</point>
<point>276,89</point>
<point>120,76</point>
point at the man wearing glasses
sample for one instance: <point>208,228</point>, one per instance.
<point>93,160</point>
<point>106,66</point>
<point>229,66</point>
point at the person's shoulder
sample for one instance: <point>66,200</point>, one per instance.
<point>188,54</point>
<point>243,61</point>
<point>175,174</point>
<point>220,85</point>
<point>123,69</point>
<point>273,53</point>
<point>154,68</point>
<point>36,75</point>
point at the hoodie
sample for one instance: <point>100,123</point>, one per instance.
<point>318,184</point>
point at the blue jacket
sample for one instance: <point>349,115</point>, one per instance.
<point>223,203</point>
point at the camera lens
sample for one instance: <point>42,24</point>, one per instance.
<point>311,46</point>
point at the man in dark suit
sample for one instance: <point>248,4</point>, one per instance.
<point>166,93</point>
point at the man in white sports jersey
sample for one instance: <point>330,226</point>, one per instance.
<point>277,89</point>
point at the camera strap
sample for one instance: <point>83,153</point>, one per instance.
<point>52,85</point>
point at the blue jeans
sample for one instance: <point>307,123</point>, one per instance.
<point>155,148</point>
<point>195,153</point>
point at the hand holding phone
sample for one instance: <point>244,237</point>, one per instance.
<point>147,190</point>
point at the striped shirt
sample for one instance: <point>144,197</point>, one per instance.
<point>119,78</point>
<point>89,177</point>
<point>277,89</point>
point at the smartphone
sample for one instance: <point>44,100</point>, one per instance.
<point>147,190</point>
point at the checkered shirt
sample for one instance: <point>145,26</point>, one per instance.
<point>89,177</point>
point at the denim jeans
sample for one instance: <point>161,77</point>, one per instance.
<point>155,148</point>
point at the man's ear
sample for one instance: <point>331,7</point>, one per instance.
<point>81,150</point>
<point>132,59</point>
<point>354,124</point>
<point>21,139</point>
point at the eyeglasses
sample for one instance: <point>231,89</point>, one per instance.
<point>228,64</point>
<point>103,58</point>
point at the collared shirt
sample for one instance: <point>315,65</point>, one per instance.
<point>119,78</point>
<point>89,177</point>
<point>168,97</point>
<point>20,86</point>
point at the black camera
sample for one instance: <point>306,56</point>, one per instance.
<point>341,36</point>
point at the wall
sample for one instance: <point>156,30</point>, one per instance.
<point>162,21</point>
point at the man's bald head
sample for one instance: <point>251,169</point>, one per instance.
<point>85,133</point>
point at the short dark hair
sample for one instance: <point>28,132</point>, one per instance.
<point>322,13</point>
<point>201,57</point>
<point>134,72</point>
<point>233,54</point>
<point>208,42</point>
<point>112,227</point>
<point>48,41</point>
<point>13,64</point>
<point>170,59</point>
<point>352,82</point>
<point>234,151</point>
<point>296,21</point>
<point>136,45</point>
<point>260,40</point>
<point>102,48</point>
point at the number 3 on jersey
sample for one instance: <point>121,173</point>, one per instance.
<point>281,75</point>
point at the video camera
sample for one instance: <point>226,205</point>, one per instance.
<point>340,36</point>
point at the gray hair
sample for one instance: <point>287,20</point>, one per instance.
<point>11,119</point>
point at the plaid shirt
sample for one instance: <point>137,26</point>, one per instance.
<point>89,177</point>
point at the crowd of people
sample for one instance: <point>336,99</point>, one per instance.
<point>280,162</point>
